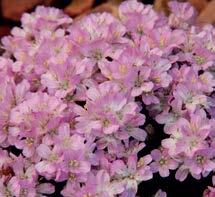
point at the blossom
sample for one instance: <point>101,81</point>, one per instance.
<point>6,104</point>
<point>41,104</point>
<point>196,131</point>
<point>105,186</point>
<point>98,25</point>
<point>114,110</point>
<point>164,39</point>
<point>133,172</point>
<point>76,97</point>
<point>182,14</point>
<point>47,18</point>
<point>50,163</point>
<point>137,17</point>
<point>162,162</point>
<point>65,140</point>
<point>201,162</point>
<point>75,162</point>
<point>142,84</point>
<point>189,98</point>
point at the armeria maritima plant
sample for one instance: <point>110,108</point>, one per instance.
<point>73,97</point>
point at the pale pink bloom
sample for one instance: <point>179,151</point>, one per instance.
<point>128,7</point>
<point>50,163</point>
<point>75,161</point>
<point>189,98</point>
<point>162,162</point>
<point>35,103</point>
<point>97,25</point>
<point>107,187</point>
<point>132,173</point>
<point>201,163</point>
<point>182,14</point>
<point>65,140</point>
<point>71,108</point>
<point>188,136</point>
<point>45,18</point>
<point>113,112</point>
<point>142,83</point>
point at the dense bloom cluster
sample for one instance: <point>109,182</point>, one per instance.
<point>73,93</point>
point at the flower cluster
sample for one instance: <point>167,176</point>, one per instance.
<point>73,93</point>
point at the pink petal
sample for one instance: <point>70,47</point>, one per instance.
<point>43,151</point>
<point>77,142</point>
<point>111,129</point>
<point>46,188</point>
<point>138,134</point>
<point>64,129</point>
<point>45,167</point>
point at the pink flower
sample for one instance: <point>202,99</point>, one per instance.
<point>164,39</point>
<point>182,14</point>
<point>133,172</point>
<point>162,162</point>
<point>97,25</point>
<point>159,74</point>
<point>137,17</point>
<point>113,112</point>
<point>105,187</point>
<point>73,184</point>
<point>24,113</point>
<point>189,135</point>
<point>50,163</point>
<point>75,162</point>
<point>6,104</point>
<point>74,98</point>
<point>130,7</point>
<point>122,68</point>
<point>45,18</point>
<point>189,98</point>
<point>65,140</point>
<point>201,163</point>
<point>142,84</point>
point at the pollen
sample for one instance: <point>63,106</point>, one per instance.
<point>140,162</point>
<point>199,59</point>
<point>72,177</point>
<point>200,159</point>
<point>162,161</point>
<point>88,195</point>
<point>157,79</point>
<point>162,41</point>
<point>106,123</point>
<point>123,69</point>
<point>66,141</point>
<point>203,79</point>
<point>73,163</point>
<point>29,141</point>
<point>53,157</point>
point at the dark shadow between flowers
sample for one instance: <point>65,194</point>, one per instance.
<point>174,188</point>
